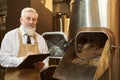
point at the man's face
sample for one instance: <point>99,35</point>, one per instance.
<point>29,20</point>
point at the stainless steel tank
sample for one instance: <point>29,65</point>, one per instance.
<point>84,13</point>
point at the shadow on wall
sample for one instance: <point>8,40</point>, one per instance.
<point>44,9</point>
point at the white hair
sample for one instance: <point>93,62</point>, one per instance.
<point>28,9</point>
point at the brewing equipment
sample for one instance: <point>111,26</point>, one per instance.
<point>83,55</point>
<point>94,50</point>
<point>56,42</point>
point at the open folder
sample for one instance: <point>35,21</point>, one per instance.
<point>28,62</point>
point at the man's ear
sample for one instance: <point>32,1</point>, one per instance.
<point>20,20</point>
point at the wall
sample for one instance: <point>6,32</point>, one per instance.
<point>13,12</point>
<point>44,10</point>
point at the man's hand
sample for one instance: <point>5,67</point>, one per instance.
<point>39,65</point>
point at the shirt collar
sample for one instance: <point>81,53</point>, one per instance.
<point>22,30</point>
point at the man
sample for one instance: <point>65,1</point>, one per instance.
<point>14,48</point>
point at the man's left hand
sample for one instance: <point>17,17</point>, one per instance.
<point>39,65</point>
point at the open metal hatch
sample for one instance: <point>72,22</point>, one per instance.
<point>81,58</point>
<point>56,42</point>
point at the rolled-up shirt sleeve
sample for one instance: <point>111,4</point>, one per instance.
<point>9,50</point>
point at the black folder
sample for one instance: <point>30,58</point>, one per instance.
<point>28,62</point>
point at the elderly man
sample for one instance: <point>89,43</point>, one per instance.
<point>21,42</point>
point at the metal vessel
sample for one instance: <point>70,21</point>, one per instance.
<point>94,51</point>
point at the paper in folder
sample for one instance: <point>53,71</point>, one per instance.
<point>28,62</point>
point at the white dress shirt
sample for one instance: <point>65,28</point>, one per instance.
<point>10,48</point>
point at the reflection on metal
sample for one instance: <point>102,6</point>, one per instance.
<point>85,13</point>
<point>56,42</point>
<point>115,47</point>
<point>114,25</point>
<point>61,22</point>
<point>82,56</point>
<point>103,7</point>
